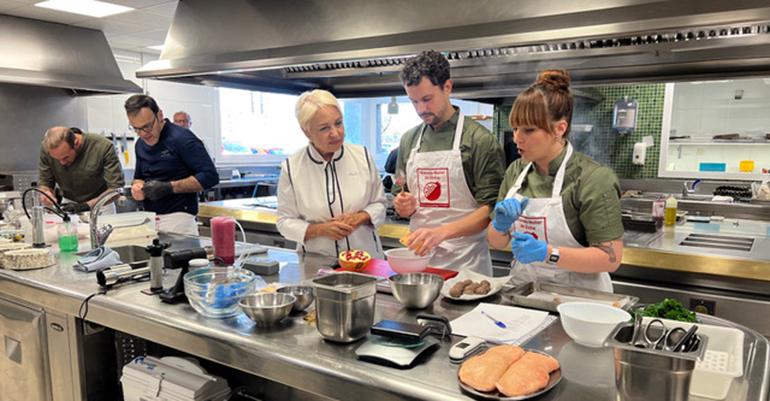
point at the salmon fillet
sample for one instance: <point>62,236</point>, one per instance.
<point>527,375</point>
<point>482,371</point>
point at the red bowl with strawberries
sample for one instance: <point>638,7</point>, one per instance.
<point>354,260</point>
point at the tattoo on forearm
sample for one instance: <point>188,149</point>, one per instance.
<point>607,248</point>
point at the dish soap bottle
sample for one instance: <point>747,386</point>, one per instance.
<point>68,235</point>
<point>671,205</point>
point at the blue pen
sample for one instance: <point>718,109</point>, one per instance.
<point>497,322</point>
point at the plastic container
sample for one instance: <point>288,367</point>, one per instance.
<point>746,166</point>
<point>68,235</point>
<point>223,238</point>
<point>721,363</point>
<point>658,212</point>
<point>671,208</point>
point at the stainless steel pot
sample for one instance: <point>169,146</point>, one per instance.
<point>344,305</point>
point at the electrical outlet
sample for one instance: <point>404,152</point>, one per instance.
<point>700,151</point>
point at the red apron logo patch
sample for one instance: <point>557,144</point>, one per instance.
<point>433,185</point>
<point>432,191</point>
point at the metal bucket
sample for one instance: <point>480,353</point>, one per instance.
<point>344,305</point>
<point>643,374</point>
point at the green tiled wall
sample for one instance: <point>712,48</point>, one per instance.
<point>601,143</point>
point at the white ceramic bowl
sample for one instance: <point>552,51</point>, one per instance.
<point>402,260</point>
<point>589,323</point>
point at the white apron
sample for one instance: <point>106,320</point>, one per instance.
<point>177,223</point>
<point>438,182</point>
<point>544,219</point>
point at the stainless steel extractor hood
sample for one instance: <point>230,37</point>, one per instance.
<point>496,47</point>
<point>41,53</point>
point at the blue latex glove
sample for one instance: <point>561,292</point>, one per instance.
<point>507,211</point>
<point>526,249</point>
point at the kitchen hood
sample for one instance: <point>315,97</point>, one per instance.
<point>41,53</point>
<point>495,47</point>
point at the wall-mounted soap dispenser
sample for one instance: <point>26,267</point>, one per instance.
<point>624,116</point>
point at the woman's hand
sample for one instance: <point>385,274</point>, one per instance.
<point>354,220</point>
<point>405,204</point>
<point>335,230</point>
<point>506,213</point>
<point>526,249</point>
<point>426,239</point>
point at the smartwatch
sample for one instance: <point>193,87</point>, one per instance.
<point>553,258</point>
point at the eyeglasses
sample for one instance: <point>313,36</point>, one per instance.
<point>147,128</point>
<point>181,121</point>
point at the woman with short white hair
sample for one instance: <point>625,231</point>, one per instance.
<point>330,196</point>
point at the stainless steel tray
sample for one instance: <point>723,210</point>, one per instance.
<point>548,296</point>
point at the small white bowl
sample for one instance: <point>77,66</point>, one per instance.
<point>589,323</point>
<point>402,260</point>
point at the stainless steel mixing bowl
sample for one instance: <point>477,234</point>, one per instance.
<point>303,293</point>
<point>267,308</point>
<point>416,290</point>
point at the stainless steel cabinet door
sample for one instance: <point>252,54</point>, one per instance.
<point>23,364</point>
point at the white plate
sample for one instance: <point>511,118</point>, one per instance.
<point>496,285</point>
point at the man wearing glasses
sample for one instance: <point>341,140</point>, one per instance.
<point>83,165</point>
<point>183,119</point>
<point>172,166</point>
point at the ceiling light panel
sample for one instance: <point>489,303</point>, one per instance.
<point>91,8</point>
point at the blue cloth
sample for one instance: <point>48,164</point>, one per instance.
<point>177,155</point>
<point>97,259</point>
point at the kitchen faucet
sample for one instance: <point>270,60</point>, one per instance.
<point>99,235</point>
<point>689,191</point>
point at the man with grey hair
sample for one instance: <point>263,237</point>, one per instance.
<point>83,165</point>
<point>183,119</point>
<point>453,168</point>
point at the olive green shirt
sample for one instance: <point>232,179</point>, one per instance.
<point>590,195</point>
<point>96,169</point>
<point>482,156</point>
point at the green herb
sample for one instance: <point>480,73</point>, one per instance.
<point>669,309</point>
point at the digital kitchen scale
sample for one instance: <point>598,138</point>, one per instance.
<point>397,355</point>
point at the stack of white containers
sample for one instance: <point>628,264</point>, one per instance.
<point>170,379</point>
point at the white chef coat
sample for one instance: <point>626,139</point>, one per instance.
<point>443,196</point>
<point>312,190</point>
<point>544,219</point>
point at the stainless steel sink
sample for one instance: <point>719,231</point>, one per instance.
<point>128,253</point>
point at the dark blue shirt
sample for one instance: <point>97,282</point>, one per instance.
<point>177,155</point>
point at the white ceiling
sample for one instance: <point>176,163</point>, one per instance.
<point>146,26</point>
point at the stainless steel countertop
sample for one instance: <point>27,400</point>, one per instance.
<point>294,354</point>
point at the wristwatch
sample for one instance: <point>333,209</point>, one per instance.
<point>553,258</point>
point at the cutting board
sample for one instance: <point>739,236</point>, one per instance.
<point>381,268</point>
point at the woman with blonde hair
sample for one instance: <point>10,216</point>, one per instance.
<point>559,209</point>
<point>330,196</point>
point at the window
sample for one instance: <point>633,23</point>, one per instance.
<point>261,128</point>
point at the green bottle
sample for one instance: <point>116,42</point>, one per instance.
<point>68,235</point>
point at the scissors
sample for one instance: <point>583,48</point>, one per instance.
<point>666,340</point>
